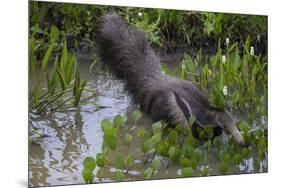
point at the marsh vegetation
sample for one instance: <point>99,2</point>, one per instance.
<point>82,125</point>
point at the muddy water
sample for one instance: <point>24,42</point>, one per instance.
<point>71,134</point>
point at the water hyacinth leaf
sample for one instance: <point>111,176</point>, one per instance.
<point>76,83</point>
<point>237,158</point>
<point>223,167</point>
<point>106,125</point>
<point>78,94</point>
<point>156,163</point>
<point>105,147</point>
<point>246,152</point>
<point>176,155</point>
<point>247,45</point>
<point>130,160</point>
<point>119,161</point>
<point>141,133</point>
<point>226,157</point>
<point>54,33</point>
<point>89,162</point>
<point>119,175</point>
<point>205,75</point>
<point>118,121</point>
<point>162,148</point>
<point>243,126</point>
<point>192,66</point>
<point>257,164</point>
<point>111,142</point>
<point>235,97</point>
<point>128,138</point>
<point>148,173</point>
<point>215,61</point>
<point>47,56</point>
<point>100,159</point>
<point>53,79</point>
<point>183,71</point>
<point>190,140</point>
<point>136,115</point>
<point>205,171</point>
<point>196,155</point>
<point>69,68</point>
<point>147,145</point>
<point>186,172</point>
<point>63,61</point>
<point>62,79</point>
<point>180,128</point>
<point>208,146</point>
<point>87,175</point>
<point>217,142</point>
<point>185,162</point>
<point>156,138</point>
<point>206,133</point>
<point>194,163</point>
<point>156,127</point>
<point>173,136</point>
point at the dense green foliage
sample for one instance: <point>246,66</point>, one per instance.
<point>164,145</point>
<point>229,67</point>
<point>62,78</point>
<point>170,29</point>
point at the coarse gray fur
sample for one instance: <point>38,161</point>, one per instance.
<point>126,52</point>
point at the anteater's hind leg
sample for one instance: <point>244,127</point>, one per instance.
<point>165,106</point>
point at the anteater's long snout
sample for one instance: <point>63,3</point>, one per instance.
<point>234,131</point>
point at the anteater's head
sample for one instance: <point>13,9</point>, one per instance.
<point>225,121</point>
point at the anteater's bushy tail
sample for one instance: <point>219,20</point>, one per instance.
<point>124,49</point>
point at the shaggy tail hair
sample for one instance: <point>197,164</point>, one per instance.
<point>125,50</point>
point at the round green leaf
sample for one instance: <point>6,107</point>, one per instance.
<point>162,148</point>
<point>186,172</point>
<point>141,133</point>
<point>130,160</point>
<point>156,127</point>
<point>100,159</point>
<point>185,162</point>
<point>119,161</point>
<point>89,162</point>
<point>156,138</point>
<point>205,171</point>
<point>118,121</point>
<point>136,115</point>
<point>148,173</point>
<point>111,142</point>
<point>223,167</point>
<point>119,174</point>
<point>155,164</point>
<point>87,175</point>
<point>245,152</point>
<point>128,138</point>
<point>147,145</point>
<point>106,125</point>
<point>237,158</point>
<point>173,136</point>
